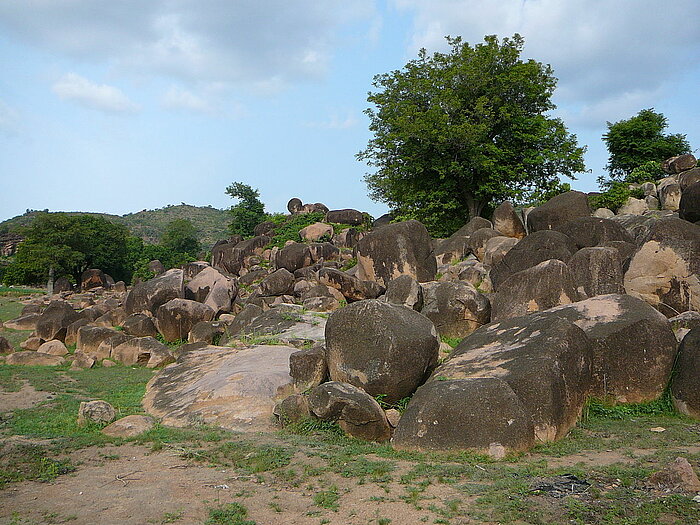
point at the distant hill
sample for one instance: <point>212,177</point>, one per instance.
<point>211,223</point>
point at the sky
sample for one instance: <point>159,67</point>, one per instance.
<point>121,105</point>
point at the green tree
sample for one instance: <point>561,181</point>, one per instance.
<point>70,244</point>
<point>641,139</point>
<point>249,212</point>
<point>455,132</point>
<point>180,236</point>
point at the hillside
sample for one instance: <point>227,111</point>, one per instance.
<point>211,223</point>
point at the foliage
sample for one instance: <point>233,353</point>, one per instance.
<point>615,195</point>
<point>140,255</point>
<point>180,236</point>
<point>229,514</point>
<point>70,244</point>
<point>539,196</point>
<point>288,229</point>
<point>640,139</point>
<point>648,171</point>
<point>249,212</point>
<point>454,132</point>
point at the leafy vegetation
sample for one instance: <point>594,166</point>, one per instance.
<point>229,514</point>
<point>248,213</point>
<point>287,226</point>
<point>457,132</point>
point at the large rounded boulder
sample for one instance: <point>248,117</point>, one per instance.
<point>147,297</point>
<point>380,347</point>
<point>558,210</point>
<point>455,308</point>
<point>685,388</point>
<point>689,209</point>
<point>176,318</point>
<point>54,321</point>
<point>403,248</point>
<point>594,231</point>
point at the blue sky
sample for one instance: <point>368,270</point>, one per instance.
<point>126,105</point>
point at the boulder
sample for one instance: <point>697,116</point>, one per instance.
<point>156,267</point>
<point>357,413</point>
<point>53,347</point>
<point>597,271</point>
<point>293,257</point>
<point>93,278</point>
<point>480,413</point>
<point>633,346</point>
<point>507,222</point>
<point>107,346</point>
<point>380,347</point>
<point>230,257</point>
<point>638,226</point>
<point>592,231</point>
<point>652,202</point>
<point>452,249</point>
<point>352,288</point>
<point>147,297</point>
<point>689,206</point>
<point>538,288</point>
<point>685,321</point>
<point>406,291</point>
<point>402,248</point>
<point>279,282</point>
<point>669,194</point>
<point>664,270</point>
<point>176,318</point>
<point>211,288</point>
<point>346,216</point>
<point>112,318</point>
<point>478,240</point>
<point>678,475</point>
<point>688,178</point>
<point>474,224</point>
<point>603,213</point>
<point>142,351</point>
<point>455,308</point>
<point>558,210</point>
<point>532,250</point>
<point>81,361</point>
<point>264,228</point>
<point>245,318</point>
<point>61,285</point>
<point>348,238</point>
<point>5,346</point>
<point>634,206</point>
<point>33,358</point>
<point>129,426</point>
<point>685,387</point>
<point>680,163</point>
<point>54,321</point>
<point>316,231</point>
<point>208,332</point>
<point>308,368</point>
<point>215,386</point>
<point>323,251</point>
<point>139,325</point>
<point>90,337</point>
<point>292,409</point>
<point>294,205</point>
<point>31,343</point>
<point>23,322</point>
<point>496,249</point>
<point>95,412</point>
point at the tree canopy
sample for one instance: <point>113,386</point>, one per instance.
<point>249,212</point>
<point>457,131</point>
<point>180,236</point>
<point>639,140</point>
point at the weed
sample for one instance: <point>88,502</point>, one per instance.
<point>248,458</point>
<point>172,517</point>
<point>452,341</point>
<point>400,405</point>
<point>229,514</point>
<point>350,263</point>
<point>327,499</point>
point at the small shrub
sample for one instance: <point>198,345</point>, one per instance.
<point>288,230</point>
<point>229,514</point>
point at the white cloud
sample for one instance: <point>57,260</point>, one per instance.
<point>335,122</point>
<point>603,52</point>
<point>179,98</point>
<point>96,96</point>
<point>247,41</point>
<point>9,119</point>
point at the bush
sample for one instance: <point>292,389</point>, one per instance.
<point>613,198</point>
<point>288,229</point>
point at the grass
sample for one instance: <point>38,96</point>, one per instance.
<point>229,514</point>
<point>327,499</point>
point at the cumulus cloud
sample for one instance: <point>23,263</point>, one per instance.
<point>179,98</point>
<point>95,96</point>
<point>247,41</point>
<point>335,121</point>
<point>604,53</point>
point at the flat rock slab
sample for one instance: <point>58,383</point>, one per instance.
<point>235,390</point>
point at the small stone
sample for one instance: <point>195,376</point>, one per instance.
<point>97,411</point>
<point>129,426</point>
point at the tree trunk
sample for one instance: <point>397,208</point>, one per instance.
<point>474,207</point>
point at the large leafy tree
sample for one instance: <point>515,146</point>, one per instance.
<point>640,140</point>
<point>70,244</point>
<point>455,132</point>
<point>180,236</point>
<point>249,212</point>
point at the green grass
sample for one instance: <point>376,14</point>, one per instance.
<point>229,514</point>
<point>327,499</point>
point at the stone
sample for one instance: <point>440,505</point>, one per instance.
<point>401,248</point>
<point>62,284</point>
<point>474,224</point>
<point>351,288</point>
<point>680,163</point>
<point>54,320</point>
<point>669,194</point>
<point>209,332</point>
<point>321,304</point>
<point>686,320</point>
<point>637,225</point>
<point>129,426</point>
<point>496,249</point>
<point>688,178</point>
<point>689,206</point>
<point>90,337</point>
<point>380,347</point>
<point>455,308</point>
<point>452,249</point>
<point>212,288</point>
<point>33,358</point>
<point>292,409</point>
<point>112,318</point>
<point>664,270</point>
<point>406,291</point>
<point>316,231</point>
<point>323,251</point>
<point>217,386</point>
<point>230,257</point>
<point>53,347</point>
<point>558,210</point>
<point>245,318</point>
<point>279,282</point>
<point>31,343</point>
<point>597,271</point>
<point>81,361</point>
<point>481,413</point>
<point>147,297</point>
<point>685,387</point>
<point>294,205</point>
<point>534,249</point>
<point>23,322</point>
<point>93,278</point>
<point>592,231</point>
<point>507,222</point>
<point>348,238</point>
<point>107,346</point>
<point>546,361</point>
<point>156,267</point>
<point>678,475</point>
<point>357,413</point>
<point>478,240</point>
<point>95,412</point>
<point>603,213</point>
<point>541,287</point>
<point>633,206</point>
<point>346,216</point>
<point>120,287</point>
<point>293,257</point>
<point>308,368</point>
<point>176,318</point>
<point>5,346</point>
<point>139,325</point>
<point>633,346</point>
<point>652,202</point>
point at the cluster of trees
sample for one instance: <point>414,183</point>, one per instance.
<point>71,244</point>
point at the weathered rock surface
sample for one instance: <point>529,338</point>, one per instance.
<point>478,240</point>
<point>507,221</point>
<point>685,388</point>
<point>139,325</point>
<point>402,248</point>
<point>145,351</point>
<point>558,210</point>
<point>53,347</point>
<point>496,249</point>
<point>129,426</point>
<point>96,412</point>
<point>212,288</point>
<point>217,386</point>
<point>90,337</point>
<point>406,291</point>
<point>346,216</point>
<point>54,321</point>
<point>597,271</point>
<point>148,296</point>
<point>380,347</point>
<point>5,346</point>
<point>352,288</point>
<point>455,308</point>
<point>677,476</point>
<point>176,318</point>
<point>33,358</point>
<point>593,231</point>
<point>93,278</point>
<point>689,207</point>
<point>23,322</point>
<point>308,368</point>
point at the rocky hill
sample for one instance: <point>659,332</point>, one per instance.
<point>211,223</point>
